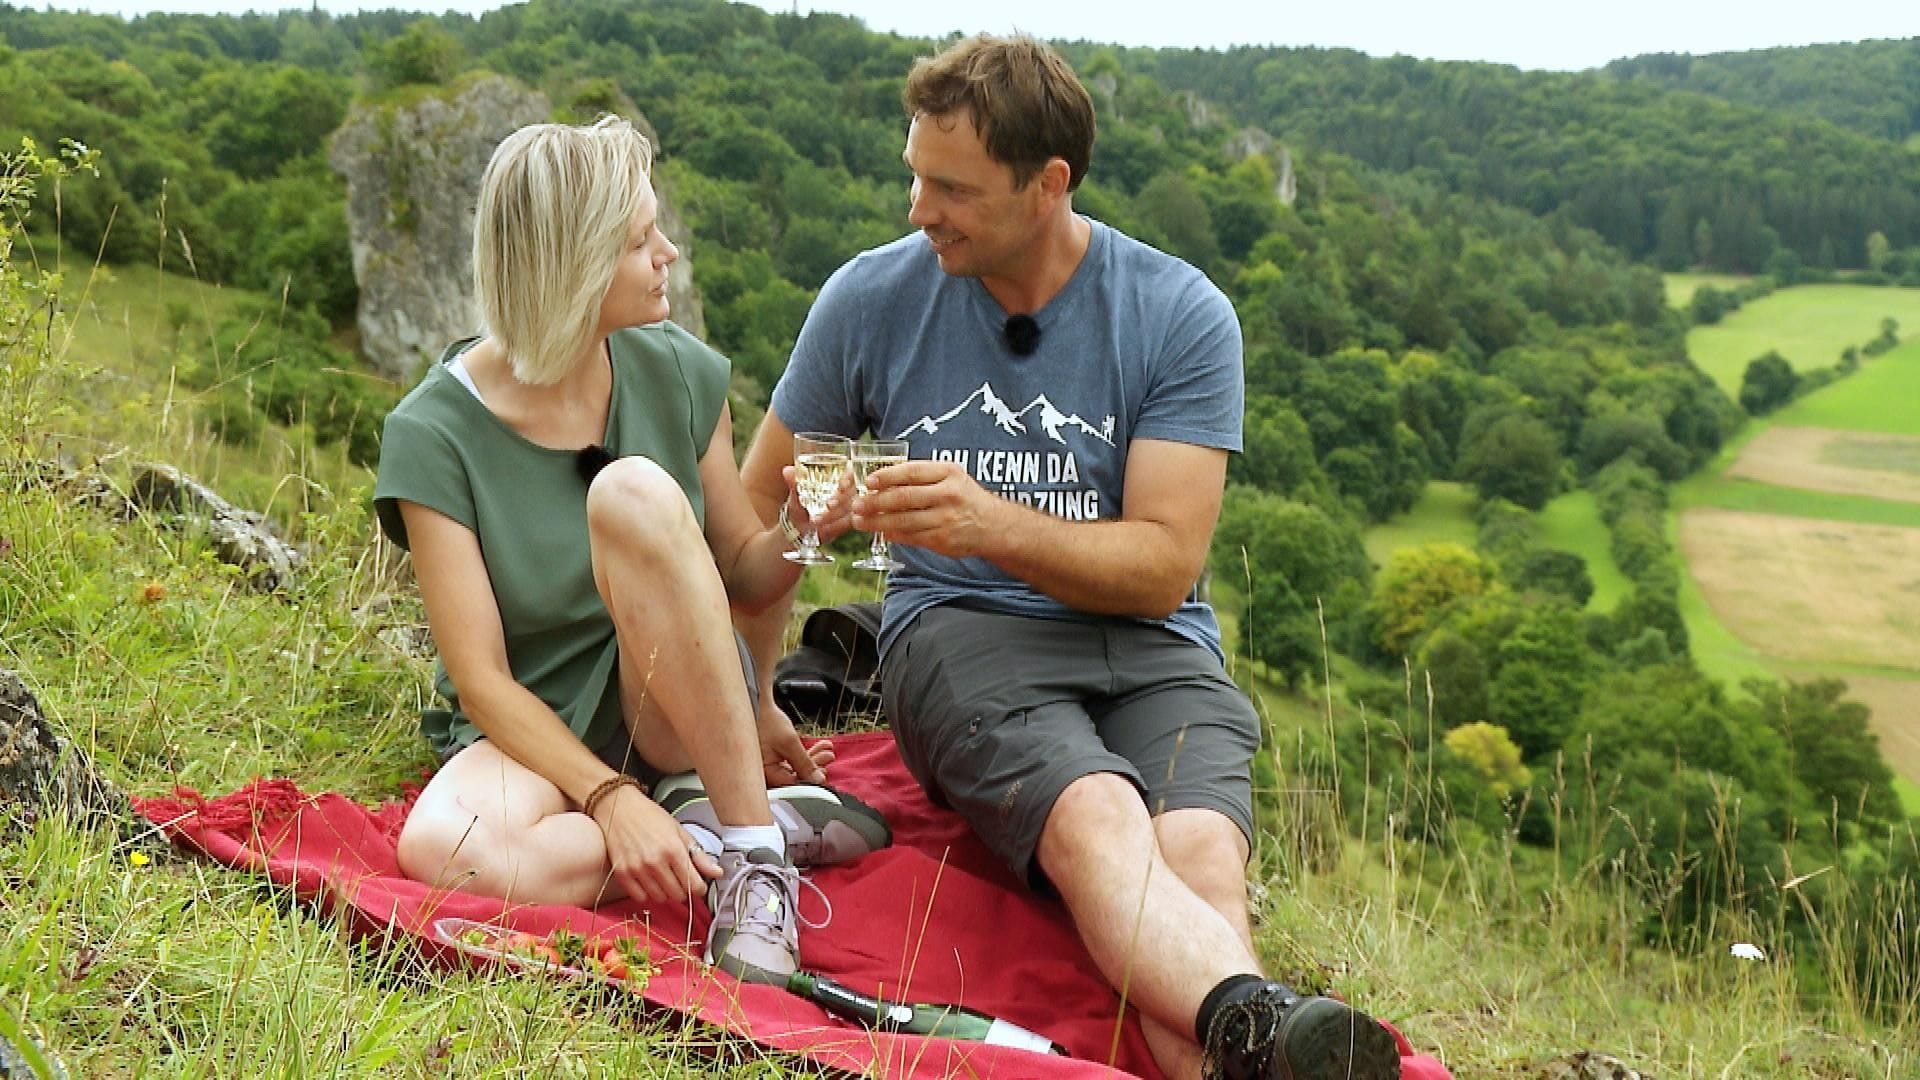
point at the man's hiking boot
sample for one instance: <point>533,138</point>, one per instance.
<point>823,827</point>
<point>1273,1034</point>
<point>755,903</point>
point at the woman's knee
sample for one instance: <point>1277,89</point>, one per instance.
<point>447,849</point>
<point>635,499</point>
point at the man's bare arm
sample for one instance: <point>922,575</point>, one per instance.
<point>1143,563</point>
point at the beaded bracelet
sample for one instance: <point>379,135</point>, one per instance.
<point>607,787</point>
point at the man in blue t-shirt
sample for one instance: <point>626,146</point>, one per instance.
<point>1069,396</point>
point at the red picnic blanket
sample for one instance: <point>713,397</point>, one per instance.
<point>933,918</point>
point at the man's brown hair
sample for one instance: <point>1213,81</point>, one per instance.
<point>1023,99</point>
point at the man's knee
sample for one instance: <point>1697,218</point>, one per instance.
<point>1209,853</point>
<point>1090,817</point>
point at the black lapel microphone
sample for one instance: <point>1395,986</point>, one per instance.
<point>589,460</point>
<point>1021,334</point>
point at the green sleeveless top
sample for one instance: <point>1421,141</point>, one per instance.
<point>443,449</point>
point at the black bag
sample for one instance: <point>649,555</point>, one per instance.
<point>831,680</point>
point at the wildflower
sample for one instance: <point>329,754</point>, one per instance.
<point>138,858</point>
<point>1748,952</point>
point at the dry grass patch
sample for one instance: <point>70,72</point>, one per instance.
<point>1826,459</point>
<point>1896,718</point>
<point>1810,590</point>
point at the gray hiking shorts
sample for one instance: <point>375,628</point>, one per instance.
<point>996,714</point>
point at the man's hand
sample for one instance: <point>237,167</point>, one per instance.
<point>785,758</point>
<point>933,505</point>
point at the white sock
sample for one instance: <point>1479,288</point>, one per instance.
<point>749,837</point>
<point>708,842</point>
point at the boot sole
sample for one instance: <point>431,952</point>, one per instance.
<point>1322,1039</point>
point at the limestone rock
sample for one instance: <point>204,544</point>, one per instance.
<point>413,174</point>
<point>40,772</point>
<point>242,538</point>
<point>1588,1065</point>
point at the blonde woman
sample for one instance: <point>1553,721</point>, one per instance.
<point>567,488</point>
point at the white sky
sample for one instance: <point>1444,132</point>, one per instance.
<point>1529,33</point>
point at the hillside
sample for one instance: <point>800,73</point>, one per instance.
<point>1639,164</point>
<point>1507,794</point>
<point>1872,87</point>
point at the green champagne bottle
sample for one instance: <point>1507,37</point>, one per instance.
<point>941,1021</point>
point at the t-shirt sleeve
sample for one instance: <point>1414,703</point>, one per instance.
<point>418,465</point>
<point>820,389</point>
<point>706,372</point>
<point>1197,389</point>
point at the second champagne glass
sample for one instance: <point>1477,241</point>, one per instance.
<point>819,465</point>
<point>870,457</point>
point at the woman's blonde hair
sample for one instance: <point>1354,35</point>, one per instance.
<point>555,207</point>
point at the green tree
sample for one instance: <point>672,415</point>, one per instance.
<point>1418,583</point>
<point>1516,458</point>
<point>1769,383</point>
<point>423,53</point>
<point>1173,210</point>
<point>1457,673</point>
<point>1832,751</point>
<point>1542,677</point>
<point>1878,251</point>
<point>1557,573</point>
<point>1296,558</point>
<point>1493,754</point>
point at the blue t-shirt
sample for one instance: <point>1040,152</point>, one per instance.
<point>1137,345</point>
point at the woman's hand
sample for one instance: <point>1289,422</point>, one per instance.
<point>786,759</point>
<point>654,860</point>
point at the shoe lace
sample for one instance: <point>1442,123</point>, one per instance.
<point>1242,1034</point>
<point>749,902</point>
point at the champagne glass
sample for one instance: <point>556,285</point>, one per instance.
<point>869,457</point>
<point>819,464</point>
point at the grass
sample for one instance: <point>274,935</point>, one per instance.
<point>1909,793</point>
<point>1681,287</point>
<point>1882,397</point>
<point>1444,514</point>
<point>1810,325</point>
<point>1734,494</point>
<point>1572,522</point>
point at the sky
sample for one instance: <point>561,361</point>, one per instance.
<point>1526,33</point>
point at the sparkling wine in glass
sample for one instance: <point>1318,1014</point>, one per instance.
<point>870,457</point>
<point>819,464</point>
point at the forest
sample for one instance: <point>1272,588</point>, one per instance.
<point>1444,271</point>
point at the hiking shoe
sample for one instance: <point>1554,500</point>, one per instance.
<point>755,903</point>
<point>823,827</point>
<point>1274,1034</point>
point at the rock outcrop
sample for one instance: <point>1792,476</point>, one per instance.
<point>240,537</point>
<point>413,173</point>
<point>42,773</point>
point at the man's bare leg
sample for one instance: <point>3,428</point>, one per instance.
<point>1148,932</point>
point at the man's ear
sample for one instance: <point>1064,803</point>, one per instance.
<point>1054,177</point>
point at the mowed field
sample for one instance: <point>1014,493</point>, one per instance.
<point>1804,548</point>
<point>1826,459</point>
<point>1810,325</point>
